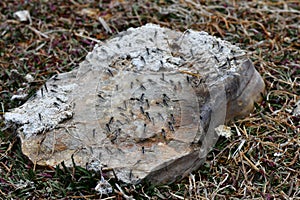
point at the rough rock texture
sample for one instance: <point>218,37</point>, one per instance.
<point>146,103</point>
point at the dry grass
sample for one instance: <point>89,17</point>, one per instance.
<point>261,161</point>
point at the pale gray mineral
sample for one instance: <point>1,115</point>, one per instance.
<point>146,103</point>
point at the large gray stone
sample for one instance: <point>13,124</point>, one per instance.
<point>146,103</point>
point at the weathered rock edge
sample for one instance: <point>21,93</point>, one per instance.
<point>193,82</point>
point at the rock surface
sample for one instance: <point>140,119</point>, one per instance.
<point>146,103</point>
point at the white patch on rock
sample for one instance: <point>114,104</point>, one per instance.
<point>23,15</point>
<point>29,78</point>
<point>223,130</point>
